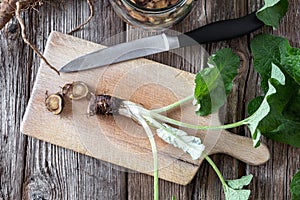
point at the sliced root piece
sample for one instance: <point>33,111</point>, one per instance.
<point>54,103</point>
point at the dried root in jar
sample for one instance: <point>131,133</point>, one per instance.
<point>154,4</point>
<point>156,17</point>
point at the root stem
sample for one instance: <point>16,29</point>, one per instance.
<point>91,6</point>
<point>25,39</point>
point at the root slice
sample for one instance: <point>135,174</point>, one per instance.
<point>25,39</point>
<point>91,6</point>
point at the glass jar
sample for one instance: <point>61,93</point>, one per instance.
<point>152,14</point>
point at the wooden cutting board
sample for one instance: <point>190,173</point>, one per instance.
<point>116,139</point>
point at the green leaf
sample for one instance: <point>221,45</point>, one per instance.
<point>282,122</point>
<point>215,82</point>
<point>292,109</point>
<point>290,61</point>
<point>287,132</point>
<point>231,194</point>
<point>234,189</point>
<point>277,77</point>
<point>240,183</point>
<point>254,104</point>
<point>266,50</point>
<point>295,186</point>
<point>180,139</point>
<point>269,49</point>
<point>272,12</point>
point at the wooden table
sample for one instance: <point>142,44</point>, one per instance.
<point>32,169</point>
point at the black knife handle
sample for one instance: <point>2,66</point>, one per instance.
<point>221,30</point>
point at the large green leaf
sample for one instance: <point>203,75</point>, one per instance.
<point>282,122</point>
<point>290,61</point>
<point>253,121</point>
<point>266,50</point>
<point>295,186</point>
<point>287,132</point>
<point>215,82</point>
<point>269,49</point>
<point>292,109</point>
<point>272,12</point>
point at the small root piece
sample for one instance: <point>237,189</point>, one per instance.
<point>104,105</point>
<point>54,103</point>
<point>91,6</point>
<point>25,39</point>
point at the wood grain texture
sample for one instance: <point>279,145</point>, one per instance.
<point>26,172</point>
<point>86,179</point>
<point>36,170</point>
<point>13,102</point>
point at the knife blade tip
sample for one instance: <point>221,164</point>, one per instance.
<point>67,68</point>
<point>63,70</point>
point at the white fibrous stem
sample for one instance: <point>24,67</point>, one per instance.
<point>132,110</point>
<point>176,137</point>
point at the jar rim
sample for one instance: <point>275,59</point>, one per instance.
<point>154,10</point>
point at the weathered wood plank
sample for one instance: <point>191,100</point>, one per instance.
<point>14,75</point>
<point>73,176</point>
<point>80,177</point>
<point>51,172</point>
<point>236,110</point>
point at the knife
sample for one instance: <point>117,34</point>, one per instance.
<point>213,32</point>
